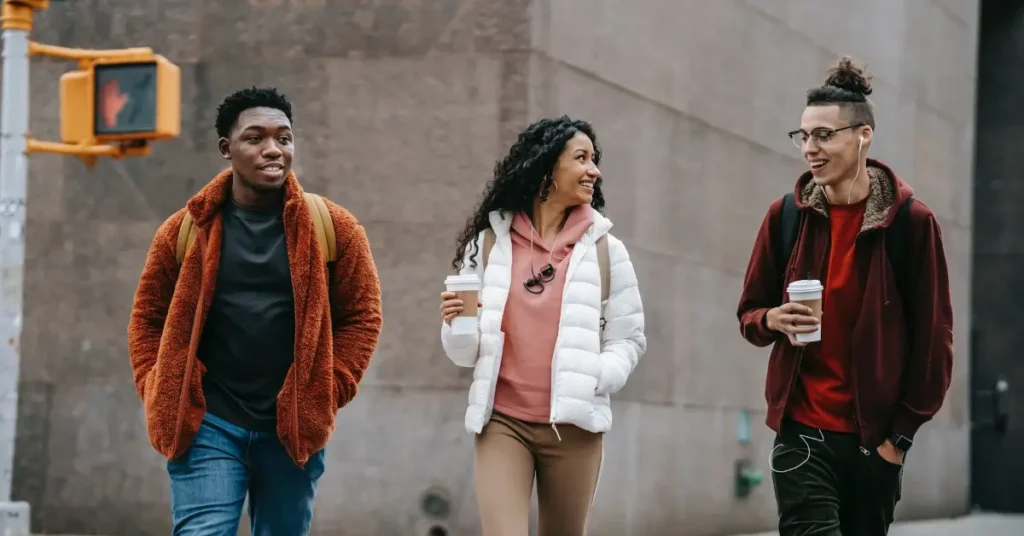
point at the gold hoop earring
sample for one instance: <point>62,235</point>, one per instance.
<point>545,186</point>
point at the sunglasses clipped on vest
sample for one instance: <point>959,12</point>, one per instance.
<point>535,284</point>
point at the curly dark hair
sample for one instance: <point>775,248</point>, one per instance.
<point>848,86</point>
<point>247,99</point>
<point>523,175</point>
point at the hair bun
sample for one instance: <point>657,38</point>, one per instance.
<point>846,75</point>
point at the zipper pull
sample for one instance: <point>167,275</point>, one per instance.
<point>555,428</point>
<point>865,451</point>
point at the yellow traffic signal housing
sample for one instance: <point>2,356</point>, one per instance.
<point>38,5</point>
<point>121,99</point>
<point>75,107</point>
<point>17,14</point>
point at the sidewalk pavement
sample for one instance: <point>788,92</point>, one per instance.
<point>972,525</point>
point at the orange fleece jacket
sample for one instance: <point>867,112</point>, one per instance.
<point>336,330</point>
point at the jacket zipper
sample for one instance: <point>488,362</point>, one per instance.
<point>793,376</point>
<point>295,412</point>
<point>489,407</point>
<point>799,350</point>
<point>856,400</point>
<point>193,344</point>
<point>558,340</point>
<point>295,388</point>
<point>494,383</point>
<point>856,381</point>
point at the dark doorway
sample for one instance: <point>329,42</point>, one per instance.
<point>997,316</point>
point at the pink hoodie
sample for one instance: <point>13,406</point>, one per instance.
<point>530,321</point>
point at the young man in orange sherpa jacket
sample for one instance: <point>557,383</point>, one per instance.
<point>244,352</point>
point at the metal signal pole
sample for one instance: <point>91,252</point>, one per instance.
<point>16,23</point>
<point>15,145</point>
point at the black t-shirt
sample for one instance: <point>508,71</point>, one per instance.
<point>248,341</point>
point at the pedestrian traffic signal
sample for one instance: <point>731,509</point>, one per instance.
<point>38,5</point>
<point>112,106</point>
<point>121,99</point>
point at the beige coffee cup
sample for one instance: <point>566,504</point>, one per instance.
<point>467,289</point>
<point>808,292</point>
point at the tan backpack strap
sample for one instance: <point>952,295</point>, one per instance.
<point>324,225</point>
<point>602,264</point>
<point>186,235</point>
<point>489,239</point>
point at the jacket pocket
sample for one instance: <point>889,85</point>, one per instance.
<point>589,387</point>
<point>161,410</point>
<point>144,385</point>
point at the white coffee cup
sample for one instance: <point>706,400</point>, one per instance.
<point>808,292</point>
<point>467,287</point>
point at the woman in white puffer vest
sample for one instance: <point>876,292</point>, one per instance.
<point>549,349</point>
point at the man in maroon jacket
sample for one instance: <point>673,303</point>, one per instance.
<point>846,408</point>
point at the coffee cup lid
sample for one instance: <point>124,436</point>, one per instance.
<point>806,285</point>
<point>462,279</point>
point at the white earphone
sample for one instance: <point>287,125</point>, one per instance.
<point>849,194</point>
<point>772,455</point>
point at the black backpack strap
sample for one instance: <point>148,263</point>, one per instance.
<point>790,226</point>
<point>896,243</point>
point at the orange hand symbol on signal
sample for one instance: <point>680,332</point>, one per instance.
<point>111,102</point>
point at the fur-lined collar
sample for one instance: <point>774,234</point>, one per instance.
<point>206,204</point>
<point>883,194</point>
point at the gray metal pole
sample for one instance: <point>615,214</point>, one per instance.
<point>13,174</point>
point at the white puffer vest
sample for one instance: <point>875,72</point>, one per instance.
<point>588,364</point>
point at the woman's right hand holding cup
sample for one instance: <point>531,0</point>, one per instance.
<point>451,306</point>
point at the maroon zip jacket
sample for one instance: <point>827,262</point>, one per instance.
<point>902,360</point>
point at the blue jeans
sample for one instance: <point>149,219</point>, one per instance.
<point>210,481</point>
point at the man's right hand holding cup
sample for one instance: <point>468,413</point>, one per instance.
<point>792,318</point>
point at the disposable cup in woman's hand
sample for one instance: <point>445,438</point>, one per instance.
<point>460,301</point>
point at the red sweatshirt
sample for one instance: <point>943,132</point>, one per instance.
<point>900,362</point>
<point>824,395</point>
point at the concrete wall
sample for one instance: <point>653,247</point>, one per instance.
<point>692,100</point>
<point>402,107</point>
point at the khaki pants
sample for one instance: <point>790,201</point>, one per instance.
<point>510,453</point>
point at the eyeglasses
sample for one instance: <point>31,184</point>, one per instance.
<point>820,136</point>
<point>535,284</point>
